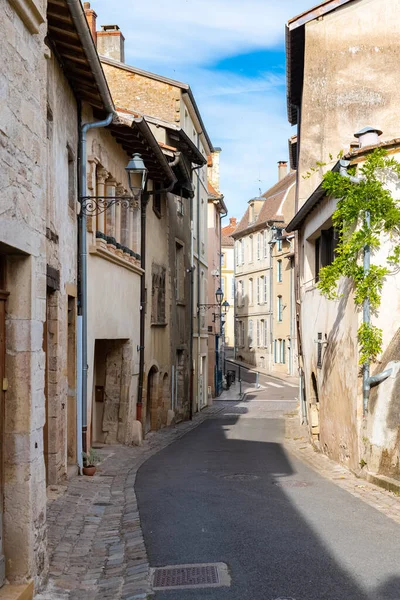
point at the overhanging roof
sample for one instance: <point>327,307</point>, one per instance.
<point>315,198</point>
<point>180,139</point>
<point>70,37</point>
<point>295,44</point>
<point>134,135</point>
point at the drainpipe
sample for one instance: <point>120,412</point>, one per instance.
<point>367,379</point>
<point>143,211</point>
<point>82,268</point>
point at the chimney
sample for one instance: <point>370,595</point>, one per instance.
<point>233,221</point>
<point>282,169</point>
<point>369,136</point>
<point>91,19</point>
<point>110,42</point>
<point>213,168</point>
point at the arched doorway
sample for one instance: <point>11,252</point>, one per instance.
<point>152,398</point>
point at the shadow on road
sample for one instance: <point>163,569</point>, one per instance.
<point>227,492</point>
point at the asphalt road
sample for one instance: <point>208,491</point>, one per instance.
<point>229,492</point>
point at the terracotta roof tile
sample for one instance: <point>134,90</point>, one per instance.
<point>226,232</point>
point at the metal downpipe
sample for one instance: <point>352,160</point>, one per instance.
<point>82,268</point>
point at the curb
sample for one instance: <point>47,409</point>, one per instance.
<point>387,483</point>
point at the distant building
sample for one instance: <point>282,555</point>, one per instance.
<point>264,304</point>
<point>228,279</point>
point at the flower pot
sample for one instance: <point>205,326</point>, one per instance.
<point>89,471</point>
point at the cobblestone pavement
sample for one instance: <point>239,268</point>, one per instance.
<point>96,546</point>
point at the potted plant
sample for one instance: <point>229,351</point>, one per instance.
<point>90,459</point>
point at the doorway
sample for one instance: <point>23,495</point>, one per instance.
<point>152,399</point>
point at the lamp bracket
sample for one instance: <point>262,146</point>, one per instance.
<point>96,205</point>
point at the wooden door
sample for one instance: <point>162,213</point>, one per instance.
<point>3,298</point>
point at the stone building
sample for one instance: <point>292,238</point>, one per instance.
<point>341,77</point>
<point>228,280</point>
<point>263,306</point>
<point>215,314</point>
<point>175,357</point>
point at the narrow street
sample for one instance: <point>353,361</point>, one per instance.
<point>230,492</point>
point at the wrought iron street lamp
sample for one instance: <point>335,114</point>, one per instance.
<point>137,172</point>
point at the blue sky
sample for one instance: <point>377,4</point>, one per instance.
<point>231,52</point>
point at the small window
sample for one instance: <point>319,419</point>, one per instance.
<point>251,299</point>
<point>279,272</point>
<point>157,199</point>
<point>251,247</point>
<point>258,334</point>
<point>71,178</point>
<point>258,291</point>
<point>283,352</point>
<point>265,243</point>
<point>179,272</point>
<point>265,335</point>
<point>265,290</point>
<point>259,246</point>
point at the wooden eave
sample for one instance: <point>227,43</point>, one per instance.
<point>67,45</point>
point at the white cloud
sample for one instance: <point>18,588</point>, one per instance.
<point>244,115</point>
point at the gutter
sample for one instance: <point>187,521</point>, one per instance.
<point>82,27</point>
<point>368,381</point>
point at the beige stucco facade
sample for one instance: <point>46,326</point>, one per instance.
<point>349,83</point>
<point>228,287</point>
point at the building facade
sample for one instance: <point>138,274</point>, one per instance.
<point>328,116</point>
<point>176,347</point>
<point>263,306</point>
<point>228,281</point>
<point>215,314</point>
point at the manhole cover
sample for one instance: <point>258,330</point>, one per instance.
<point>190,576</point>
<point>239,477</point>
<point>292,484</point>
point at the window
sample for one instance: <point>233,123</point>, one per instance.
<point>279,272</point>
<point>275,351</point>
<point>258,290</point>
<point>259,246</point>
<point>240,333</point>
<point>279,245</point>
<point>282,352</point>
<point>179,272</point>
<point>265,290</point>
<point>265,244</point>
<point>180,206</point>
<point>223,259</point>
<point>250,249</point>
<point>250,333</point>
<point>71,178</point>
<point>240,255</point>
<point>240,293</point>
<point>325,247</point>
<point>158,295</point>
<point>251,298</point>
<point>233,289</point>
<point>265,335</point>
<point>157,199</point>
<point>258,334</point>
<point>251,213</point>
<point>223,285</point>
<point>280,308</point>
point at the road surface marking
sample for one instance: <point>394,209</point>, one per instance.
<point>274,384</point>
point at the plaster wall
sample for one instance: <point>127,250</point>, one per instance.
<point>113,288</point>
<point>350,81</point>
<point>22,237</point>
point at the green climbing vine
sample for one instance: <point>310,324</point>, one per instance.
<point>372,195</point>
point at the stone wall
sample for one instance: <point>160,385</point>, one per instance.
<point>23,165</point>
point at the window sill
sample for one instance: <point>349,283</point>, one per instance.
<point>181,303</point>
<point>159,324</point>
<point>108,252</point>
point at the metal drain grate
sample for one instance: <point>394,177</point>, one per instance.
<point>190,576</point>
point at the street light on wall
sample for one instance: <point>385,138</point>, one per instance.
<point>136,169</point>
<point>137,177</point>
